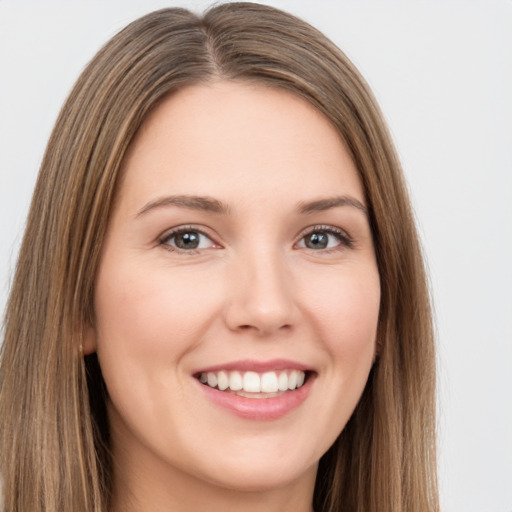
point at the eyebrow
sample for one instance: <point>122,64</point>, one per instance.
<point>321,205</point>
<point>203,203</point>
<point>209,204</point>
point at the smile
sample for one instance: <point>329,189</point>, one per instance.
<point>252,384</point>
<point>258,391</point>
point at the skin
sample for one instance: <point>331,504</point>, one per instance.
<point>252,290</point>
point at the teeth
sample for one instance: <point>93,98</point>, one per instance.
<point>235,381</point>
<point>292,380</point>
<point>269,382</point>
<point>282,381</point>
<point>211,379</point>
<point>252,382</point>
<point>222,381</point>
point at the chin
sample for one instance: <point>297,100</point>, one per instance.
<point>266,478</point>
<point>260,471</point>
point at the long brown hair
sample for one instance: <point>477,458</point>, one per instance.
<point>54,439</point>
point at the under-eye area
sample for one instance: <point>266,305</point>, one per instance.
<point>254,384</point>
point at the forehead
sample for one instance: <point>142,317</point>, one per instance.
<point>231,138</point>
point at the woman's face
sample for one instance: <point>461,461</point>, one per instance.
<point>238,256</point>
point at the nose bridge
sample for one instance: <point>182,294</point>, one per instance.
<point>261,296</point>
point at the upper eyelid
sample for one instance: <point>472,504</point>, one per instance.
<point>323,227</point>
<point>168,233</point>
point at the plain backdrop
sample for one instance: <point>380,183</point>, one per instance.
<point>442,72</point>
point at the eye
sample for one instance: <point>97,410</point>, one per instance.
<point>325,238</point>
<point>187,239</point>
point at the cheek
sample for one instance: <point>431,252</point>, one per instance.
<point>346,311</point>
<point>150,315</point>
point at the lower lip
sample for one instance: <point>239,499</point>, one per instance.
<point>260,409</point>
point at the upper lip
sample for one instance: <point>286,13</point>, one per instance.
<point>256,366</point>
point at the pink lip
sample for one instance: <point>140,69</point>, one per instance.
<point>259,409</point>
<point>246,365</point>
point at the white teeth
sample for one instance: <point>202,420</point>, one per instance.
<point>252,382</point>
<point>222,381</point>
<point>235,381</point>
<point>292,380</point>
<point>212,379</point>
<point>282,382</point>
<point>269,382</point>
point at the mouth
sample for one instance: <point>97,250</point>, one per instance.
<point>255,390</point>
<point>252,384</point>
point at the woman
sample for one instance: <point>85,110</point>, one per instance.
<point>227,301</point>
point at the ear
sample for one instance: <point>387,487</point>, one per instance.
<point>89,340</point>
<point>377,350</point>
<point>379,336</point>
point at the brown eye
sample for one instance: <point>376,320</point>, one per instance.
<point>316,241</point>
<point>187,240</point>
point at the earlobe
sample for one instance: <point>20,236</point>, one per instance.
<point>88,344</point>
<point>377,350</point>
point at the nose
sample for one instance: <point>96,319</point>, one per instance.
<point>261,299</point>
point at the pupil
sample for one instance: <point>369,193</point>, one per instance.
<point>187,240</point>
<point>316,241</point>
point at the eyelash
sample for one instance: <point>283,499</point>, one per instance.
<point>346,242</point>
<point>163,241</point>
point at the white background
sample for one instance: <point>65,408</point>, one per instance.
<point>442,71</point>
